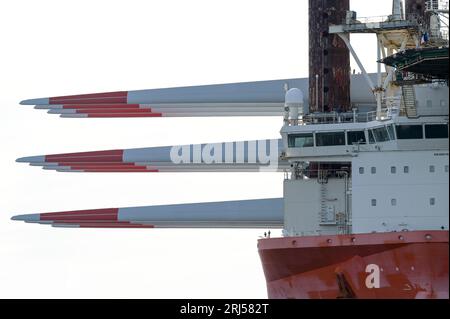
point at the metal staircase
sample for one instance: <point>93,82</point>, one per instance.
<point>408,103</point>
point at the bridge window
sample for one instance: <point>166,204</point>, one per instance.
<point>356,137</point>
<point>301,140</point>
<point>330,139</point>
<point>408,132</point>
<point>381,134</point>
<point>371,138</point>
<point>436,131</point>
<point>390,129</point>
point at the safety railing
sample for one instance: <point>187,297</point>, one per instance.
<point>343,117</point>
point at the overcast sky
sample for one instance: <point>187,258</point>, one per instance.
<point>51,47</point>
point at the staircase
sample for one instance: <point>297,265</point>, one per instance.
<point>408,103</point>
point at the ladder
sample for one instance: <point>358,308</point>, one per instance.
<point>323,204</point>
<point>324,218</point>
<point>408,103</point>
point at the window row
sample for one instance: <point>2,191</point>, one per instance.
<point>373,201</point>
<point>376,135</point>
<point>393,169</point>
<point>432,131</point>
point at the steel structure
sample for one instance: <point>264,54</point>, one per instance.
<point>329,59</point>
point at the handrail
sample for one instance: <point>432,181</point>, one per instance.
<point>341,118</point>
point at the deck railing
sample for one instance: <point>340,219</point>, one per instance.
<point>344,117</point>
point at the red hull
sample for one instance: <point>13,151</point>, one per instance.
<point>411,265</point>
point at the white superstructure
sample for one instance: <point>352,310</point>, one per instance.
<point>361,173</point>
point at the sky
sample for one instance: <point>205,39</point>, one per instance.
<point>51,48</point>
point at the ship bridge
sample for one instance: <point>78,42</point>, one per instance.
<point>336,139</point>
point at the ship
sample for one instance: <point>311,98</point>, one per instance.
<point>364,157</point>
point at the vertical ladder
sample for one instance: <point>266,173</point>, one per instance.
<point>349,191</point>
<point>408,103</point>
<point>322,179</point>
<point>323,204</point>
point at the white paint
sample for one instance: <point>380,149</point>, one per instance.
<point>302,205</point>
<point>420,194</point>
<point>412,192</point>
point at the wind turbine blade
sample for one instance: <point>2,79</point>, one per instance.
<point>245,156</point>
<point>261,98</point>
<point>261,213</point>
